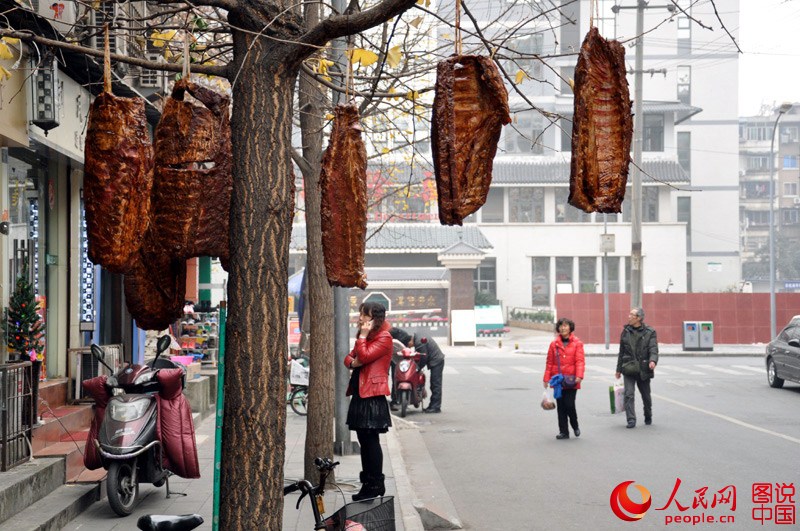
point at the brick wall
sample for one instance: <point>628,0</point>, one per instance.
<point>737,317</point>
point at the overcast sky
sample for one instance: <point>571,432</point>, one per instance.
<point>769,36</point>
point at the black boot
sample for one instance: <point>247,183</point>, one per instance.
<point>378,487</point>
<point>363,494</point>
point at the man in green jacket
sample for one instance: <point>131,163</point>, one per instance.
<point>638,356</point>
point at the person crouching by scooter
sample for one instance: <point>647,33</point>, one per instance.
<point>433,358</point>
<point>368,414</point>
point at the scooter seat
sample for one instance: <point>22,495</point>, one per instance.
<point>168,522</point>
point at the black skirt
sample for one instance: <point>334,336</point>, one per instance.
<point>370,413</point>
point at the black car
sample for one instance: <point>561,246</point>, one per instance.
<point>783,355</point>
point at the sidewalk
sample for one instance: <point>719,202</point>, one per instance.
<point>200,499</point>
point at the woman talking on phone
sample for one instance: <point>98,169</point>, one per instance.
<point>368,414</point>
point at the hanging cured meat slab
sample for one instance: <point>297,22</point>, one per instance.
<point>469,110</point>
<point>343,181</point>
<point>602,127</point>
<point>118,178</point>
<point>193,174</point>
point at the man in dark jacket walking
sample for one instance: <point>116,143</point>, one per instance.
<point>638,356</point>
<point>433,358</point>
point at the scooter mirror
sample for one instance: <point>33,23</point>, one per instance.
<point>163,344</point>
<point>100,355</point>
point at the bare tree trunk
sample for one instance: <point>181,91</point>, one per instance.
<point>319,423</point>
<point>254,429</point>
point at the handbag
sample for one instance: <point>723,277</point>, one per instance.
<point>569,380</point>
<point>631,368</point>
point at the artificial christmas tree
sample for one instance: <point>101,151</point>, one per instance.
<point>23,325</point>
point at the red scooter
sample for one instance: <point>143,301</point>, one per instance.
<point>409,380</point>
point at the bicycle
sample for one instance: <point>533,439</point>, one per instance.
<point>374,514</point>
<point>298,385</point>
<point>298,400</point>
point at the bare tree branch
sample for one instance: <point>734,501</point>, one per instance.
<point>215,70</point>
<point>343,25</point>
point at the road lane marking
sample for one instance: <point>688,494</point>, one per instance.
<point>721,369</point>
<point>526,370</point>
<point>486,370</point>
<point>759,370</point>
<point>449,370</point>
<point>730,419</point>
<point>684,371</point>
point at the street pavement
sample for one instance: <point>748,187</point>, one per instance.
<point>411,475</point>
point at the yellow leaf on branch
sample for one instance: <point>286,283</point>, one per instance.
<point>394,55</point>
<point>362,57</point>
<point>4,74</point>
<point>426,3</point>
<point>416,22</point>
<point>160,39</point>
<point>10,40</point>
<point>323,66</point>
<point>521,76</point>
<point>5,52</point>
<point>412,95</point>
<point>329,116</point>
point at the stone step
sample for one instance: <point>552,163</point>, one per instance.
<point>54,392</point>
<point>58,422</point>
<point>55,510</point>
<point>71,452</point>
<point>25,484</point>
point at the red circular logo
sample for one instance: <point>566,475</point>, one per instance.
<point>625,508</point>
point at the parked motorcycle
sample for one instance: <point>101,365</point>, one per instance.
<point>409,380</point>
<point>142,430</point>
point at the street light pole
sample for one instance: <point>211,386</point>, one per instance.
<point>784,108</point>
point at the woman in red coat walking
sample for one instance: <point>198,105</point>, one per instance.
<point>368,414</point>
<point>565,356</point>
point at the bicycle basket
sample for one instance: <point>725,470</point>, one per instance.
<point>375,514</point>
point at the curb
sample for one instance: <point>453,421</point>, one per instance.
<point>404,494</point>
<point>426,490</point>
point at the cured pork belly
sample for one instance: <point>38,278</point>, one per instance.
<point>118,178</point>
<point>602,127</point>
<point>469,110</point>
<point>344,201</point>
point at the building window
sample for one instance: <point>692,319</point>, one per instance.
<point>526,205</point>
<point>790,189</point>
<point>685,216</point>
<point>759,131</point>
<point>587,274</point>
<point>789,162</point>
<point>524,54</point>
<point>790,216</point>
<point>653,133</point>
<point>757,218</point>
<point>685,151</point>
<point>566,213</point>
<point>649,204</point>
<point>788,134</point>
<point>566,134</point>
<point>564,274</point>
<point>684,28</point>
<point>612,263</point>
<point>685,84</point>
<point>525,134</point>
<point>540,281</point>
<point>485,277</point>
<point>756,190</point>
<point>492,210</point>
<point>758,162</point>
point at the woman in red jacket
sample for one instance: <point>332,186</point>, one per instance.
<point>369,414</point>
<point>565,356</point>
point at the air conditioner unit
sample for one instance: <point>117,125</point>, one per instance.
<point>60,14</point>
<point>151,78</point>
<point>84,366</point>
<point>106,12</point>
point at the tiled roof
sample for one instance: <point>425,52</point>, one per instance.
<point>526,169</point>
<point>431,237</point>
<point>406,274</point>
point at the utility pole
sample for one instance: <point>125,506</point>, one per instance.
<point>342,445</point>
<point>636,198</point>
<point>638,128</point>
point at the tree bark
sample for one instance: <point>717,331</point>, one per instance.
<point>262,206</point>
<point>319,423</point>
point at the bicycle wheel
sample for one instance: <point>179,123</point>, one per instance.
<point>299,401</point>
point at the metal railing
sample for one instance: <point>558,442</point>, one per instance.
<point>16,414</point>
